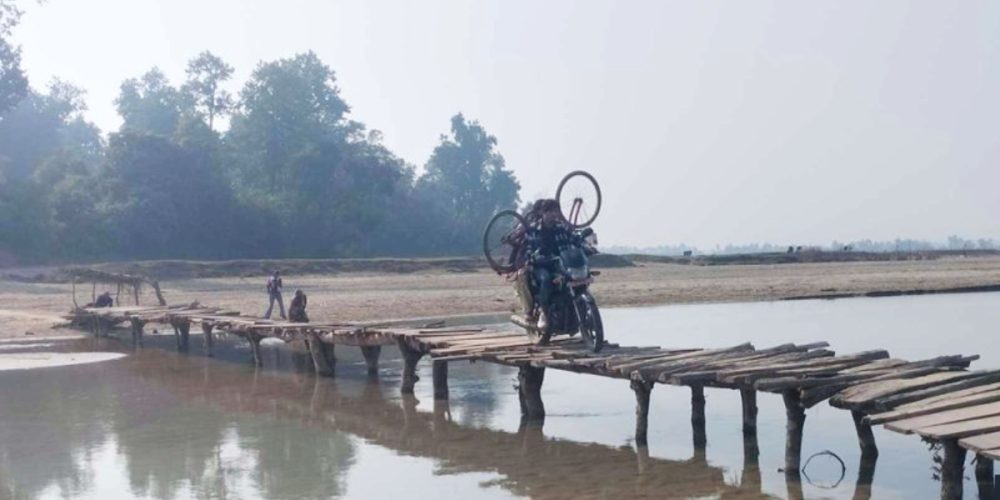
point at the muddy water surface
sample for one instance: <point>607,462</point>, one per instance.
<point>155,424</point>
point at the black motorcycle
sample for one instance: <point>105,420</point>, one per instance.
<point>573,309</point>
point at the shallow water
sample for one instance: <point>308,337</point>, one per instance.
<point>160,425</point>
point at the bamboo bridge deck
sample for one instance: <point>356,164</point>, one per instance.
<point>939,399</point>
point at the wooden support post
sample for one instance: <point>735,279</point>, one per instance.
<point>642,389</point>
<point>184,327</point>
<point>411,357</point>
<point>865,437</point>
<point>984,477</point>
<point>698,417</point>
<point>750,479</point>
<point>529,388</point>
<point>371,354</point>
<point>254,340</point>
<point>796,415</point>
<point>322,355</point>
<point>748,396</point>
<point>952,470</point>
<point>177,335</point>
<point>440,375</point>
<point>137,325</point>
<point>135,292</point>
<point>206,329</point>
<point>866,476</point>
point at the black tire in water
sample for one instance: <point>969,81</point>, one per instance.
<point>576,190</point>
<point>591,326</point>
<point>501,243</point>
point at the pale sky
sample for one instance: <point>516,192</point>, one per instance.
<point>705,122</point>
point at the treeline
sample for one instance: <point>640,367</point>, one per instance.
<point>291,176</point>
<point>888,246</point>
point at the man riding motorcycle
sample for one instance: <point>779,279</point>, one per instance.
<point>544,239</point>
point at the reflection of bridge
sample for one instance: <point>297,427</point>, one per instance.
<point>867,383</point>
<point>530,464</point>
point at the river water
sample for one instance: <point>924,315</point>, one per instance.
<point>156,424</point>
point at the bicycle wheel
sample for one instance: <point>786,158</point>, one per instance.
<point>579,198</point>
<point>502,240</point>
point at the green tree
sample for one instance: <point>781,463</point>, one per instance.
<point>150,104</point>
<point>43,124</point>
<point>13,83</point>
<point>205,76</point>
<point>466,180</point>
<point>166,200</point>
<point>288,106</point>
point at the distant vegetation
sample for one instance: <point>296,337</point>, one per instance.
<point>291,176</point>
<point>897,246</point>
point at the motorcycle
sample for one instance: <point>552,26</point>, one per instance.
<point>572,308</point>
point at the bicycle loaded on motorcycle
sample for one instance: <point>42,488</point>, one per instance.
<point>546,253</point>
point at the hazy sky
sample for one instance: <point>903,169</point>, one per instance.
<point>706,122</point>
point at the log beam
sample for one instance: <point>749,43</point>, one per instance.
<point>411,357</point>
<point>529,388</point>
<point>748,396</point>
<point>698,417</point>
<point>371,355</point>
<point>952,470</point>
<point>322,355</point>
<point>440,376</point>
<point>866,439</point>
<point>137,325</point>
<point>642,390</point>
<point>796,415</point>
<point>254,339</point>
<point>206,330</point>
<point>984,477</point>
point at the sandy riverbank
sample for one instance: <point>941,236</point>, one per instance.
<point>30,307</point>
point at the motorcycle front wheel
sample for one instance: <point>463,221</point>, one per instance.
<point>591,327</point>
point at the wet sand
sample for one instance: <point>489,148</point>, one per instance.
<point>32,309</point>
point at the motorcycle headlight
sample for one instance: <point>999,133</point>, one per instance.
<point>579,273</point>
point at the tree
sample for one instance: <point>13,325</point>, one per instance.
<point>166,200</point>
<point>206,74</point>
<point>13,83</point>
<point>42,124</point>
<point>150,104</point>
<point>467,179</point>
<point>288,106</point>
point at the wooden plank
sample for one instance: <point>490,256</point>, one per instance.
<point>957,394</point>
<point>907,425</point>
<point>962,429</point>
<point>920,408</point>
<point>671,358</point>
<point>981,442</point>
<point>870,391</point>
<point>980,378</point>
<point>994,453</point>
<point>715,370</point>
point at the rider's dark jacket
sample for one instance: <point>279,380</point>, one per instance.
<point>546,241</point>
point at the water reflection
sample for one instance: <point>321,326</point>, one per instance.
<point>178,426</point>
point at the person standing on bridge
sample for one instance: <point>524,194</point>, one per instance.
<point>274,294</point>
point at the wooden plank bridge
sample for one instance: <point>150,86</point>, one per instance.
<point>939,399</point>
